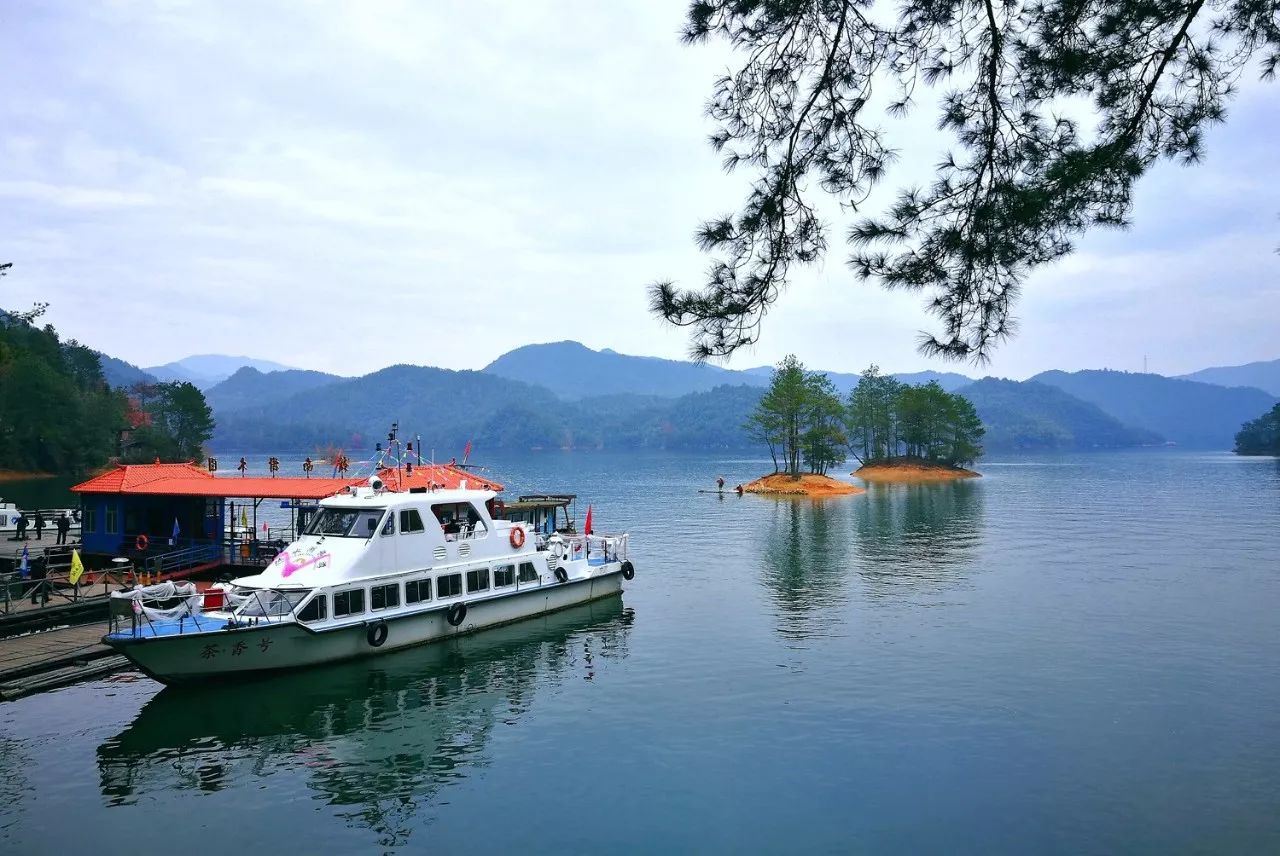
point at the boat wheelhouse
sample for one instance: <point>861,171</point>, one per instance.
<point>375,570</point>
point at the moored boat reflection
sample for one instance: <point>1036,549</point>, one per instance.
<point>376,737</point>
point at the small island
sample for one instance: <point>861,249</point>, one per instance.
<point>912,470</point>
<point>805,484</point>
<point>896,432</point>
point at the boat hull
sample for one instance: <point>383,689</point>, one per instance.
<point>245,651</point>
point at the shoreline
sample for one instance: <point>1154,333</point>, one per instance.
<point>16,475</point>
<point>808,485</point>
<point>912,471</point>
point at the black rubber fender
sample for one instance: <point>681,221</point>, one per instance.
<point>628,571</point>
<point>377,633</point>
<point>456,614</point>
<point>562,575</point>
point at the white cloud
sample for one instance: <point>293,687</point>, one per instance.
<point>441,184</point>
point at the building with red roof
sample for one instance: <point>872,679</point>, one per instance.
<point>133,500</point>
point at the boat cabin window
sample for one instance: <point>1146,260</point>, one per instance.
<point>478,580</point>
<point>460,520</point>
<point>449,585</point>
<point>410,521</point>
<point>350,602</point>
<point>417,591</point>
<point>345,522</point>
<point>528,573</point>
<point>317,609</point>
<point>384,597</point>
<point>389,528</point>
<point>270,603</point>
<point>504,575</point>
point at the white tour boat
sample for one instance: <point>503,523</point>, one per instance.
<point>374,571</point>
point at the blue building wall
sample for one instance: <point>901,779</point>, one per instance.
<point>111,523</point>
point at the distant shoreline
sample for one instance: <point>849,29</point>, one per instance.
<point>912,470</point>
<point>17,475</point>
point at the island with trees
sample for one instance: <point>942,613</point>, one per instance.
<point>896,431</point>
<point>1260,436</point>
<point>801,420</point>
<point>900,432</point>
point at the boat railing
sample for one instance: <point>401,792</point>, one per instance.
<point>174,609</point>
<point>593,548</point>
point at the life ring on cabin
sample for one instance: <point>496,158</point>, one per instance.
<point>562,575</point>
<point>517,537</point>
<point>456,614</point>
<point>142,542</point>
<point>628,571</point>
<point>377,633</point>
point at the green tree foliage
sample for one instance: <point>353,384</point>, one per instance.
<point>887,420</point>
<point>1260,436</point>
<point>870,416</point>
<point>801,420</point>
<point>180,423</point>
<point>1022,179</point>
<point>56,412</point>
<point>823,441</point>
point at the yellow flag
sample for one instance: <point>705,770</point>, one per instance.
<point>244,519</point>
<point>77,567</point>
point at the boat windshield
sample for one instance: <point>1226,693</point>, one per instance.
<point>345,522</point>
<point>271,603</point>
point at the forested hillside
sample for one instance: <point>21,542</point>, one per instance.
<point>1191,414</point>
<point>1033,416</point>
<point>573,371</point>
<point>250,387</point>
<point>57,413</point>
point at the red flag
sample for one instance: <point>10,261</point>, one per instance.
<point>587,526</point>
<point>466,452</point>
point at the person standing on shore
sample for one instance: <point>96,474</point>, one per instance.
<point>20,527</point>
<point>64,526</point>
<point>39,526</point>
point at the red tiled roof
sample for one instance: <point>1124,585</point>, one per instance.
<point>190,480</point>
<point>127,478</point>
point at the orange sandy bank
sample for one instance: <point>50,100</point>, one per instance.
<point>912,471</point>
<point>12,475</point>
<point>781,484</point>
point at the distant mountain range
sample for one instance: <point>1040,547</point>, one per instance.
<point>122,375</point>
<point>1192,414</point>
<point>205,370</point>
<point>1264,376</point>
<point>1031,416</point>
<point>564,394</point>
<point>572,370</point>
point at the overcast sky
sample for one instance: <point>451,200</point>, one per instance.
<point>345,186</point>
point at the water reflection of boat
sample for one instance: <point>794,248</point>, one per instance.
<point>373,734</point>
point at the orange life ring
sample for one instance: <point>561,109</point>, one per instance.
<point>142,542</point>
<point>517,537</point>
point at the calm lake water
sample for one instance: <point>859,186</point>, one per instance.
<point>1073,655</point>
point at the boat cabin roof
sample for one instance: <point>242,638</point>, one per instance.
<point>368,497</point>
